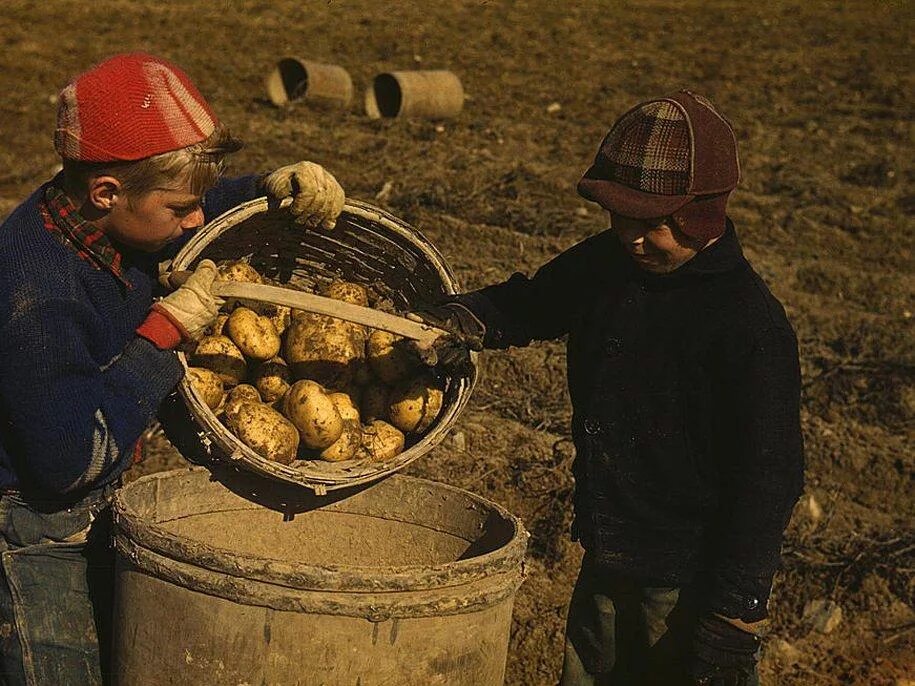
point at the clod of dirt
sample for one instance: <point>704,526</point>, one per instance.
<point>822,615</point>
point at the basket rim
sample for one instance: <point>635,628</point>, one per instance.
<point>236,452</point>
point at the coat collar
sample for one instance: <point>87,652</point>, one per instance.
<point>723,255</point>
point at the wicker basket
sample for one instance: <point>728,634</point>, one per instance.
<point>368,246</point>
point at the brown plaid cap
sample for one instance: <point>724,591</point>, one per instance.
<point>661,155</point>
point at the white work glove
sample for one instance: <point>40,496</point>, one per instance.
<point>317,198</point>
<point>193,307</point>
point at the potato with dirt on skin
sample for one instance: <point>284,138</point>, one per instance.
<point>345,406</point>
<point>313,413</point>
<point>390,356</point>
<point>354,294</point>
<point>242,393</point>
<point>272,379</point>
<point>207,385</point>
<point>415,403</point>
<point>320,349</point>
<point>239,271</point>
<point>266,432</point>
<point>254,334</point>
<point>375,402</point>
<point>345,291</point>
<point>219,354</point>
<point>345,447</point>
<point>380,442</point>
<point>279,315</point>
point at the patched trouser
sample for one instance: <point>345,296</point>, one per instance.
<point>55,591</point>
<point>621,632</point>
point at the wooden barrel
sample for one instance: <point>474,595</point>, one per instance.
<point>223,579</point>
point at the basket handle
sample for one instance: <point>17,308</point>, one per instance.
<point>318,304</point>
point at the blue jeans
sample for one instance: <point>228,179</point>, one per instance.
<point>55,590</point>
<point>623,632</point>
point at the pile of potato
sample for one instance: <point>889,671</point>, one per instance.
<point>295,385</point>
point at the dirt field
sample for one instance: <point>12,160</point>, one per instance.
<point>817,92</point>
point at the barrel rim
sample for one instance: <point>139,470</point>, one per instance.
<point>303,576</point>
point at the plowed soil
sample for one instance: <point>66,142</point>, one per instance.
<point>820,94</point>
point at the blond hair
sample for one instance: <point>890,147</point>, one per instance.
<point>199,165</point>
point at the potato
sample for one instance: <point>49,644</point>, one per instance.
<point>266,432</point>
<point>272,379</point>
<point>242,393</point>
<point>221,355</point>
<point>239,270</point>
<point>390,356</point>
<point>346,291</point>
<point>415,403</point>
<point>345,447</point>
<point>279,315</point>
<point>321,349</point>
<point>254,334</point>
<point>380,442</point>
<point>345,406</point>
<point>375,402</point>
<point>207,385</point>
<point>313,413</point>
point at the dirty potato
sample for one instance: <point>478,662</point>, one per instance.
<point>415,403</point>
<point>321,349</point>
<point>313,413</point>
<point>345,447</point>
<point>219,354</point>
<point>272,379</point>
<point>207,384</point>
<point>345,406</point>
<point>239,270</point>
<point>254,334</point>
<point>346,291</point>
<point>380,442</point>
<point>390,356</point>
<point>266,432</point>
<point>242,393</point>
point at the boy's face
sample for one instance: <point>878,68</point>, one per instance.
<point>150,221</point>
<point>655,245</point>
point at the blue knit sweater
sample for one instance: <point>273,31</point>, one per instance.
<point>77,385</point>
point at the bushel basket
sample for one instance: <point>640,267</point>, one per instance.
<point>369,247</point>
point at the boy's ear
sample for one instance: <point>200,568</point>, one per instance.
<point>104,192</point>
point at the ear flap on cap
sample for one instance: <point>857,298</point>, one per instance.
<point>704,217</point>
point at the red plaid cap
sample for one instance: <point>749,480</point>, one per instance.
<point>130,106</point>
<point>663,155</point>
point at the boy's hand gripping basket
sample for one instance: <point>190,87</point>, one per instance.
<point>369,247</point>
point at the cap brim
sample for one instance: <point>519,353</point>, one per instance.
<point>629,202</point>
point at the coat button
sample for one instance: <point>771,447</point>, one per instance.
<point>613,346</point>
<point>592,426</point>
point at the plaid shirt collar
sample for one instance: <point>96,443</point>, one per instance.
<point>62,218</point>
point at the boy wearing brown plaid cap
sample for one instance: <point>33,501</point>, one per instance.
<point>684,379</point>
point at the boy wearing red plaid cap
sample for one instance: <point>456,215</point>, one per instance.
<point>684,379</point>
<point>86,354</point>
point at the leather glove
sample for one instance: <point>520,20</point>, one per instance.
<point>317,198</point>
<point>193,307</point>
<point>465,333</point>
<point>723,655</point>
